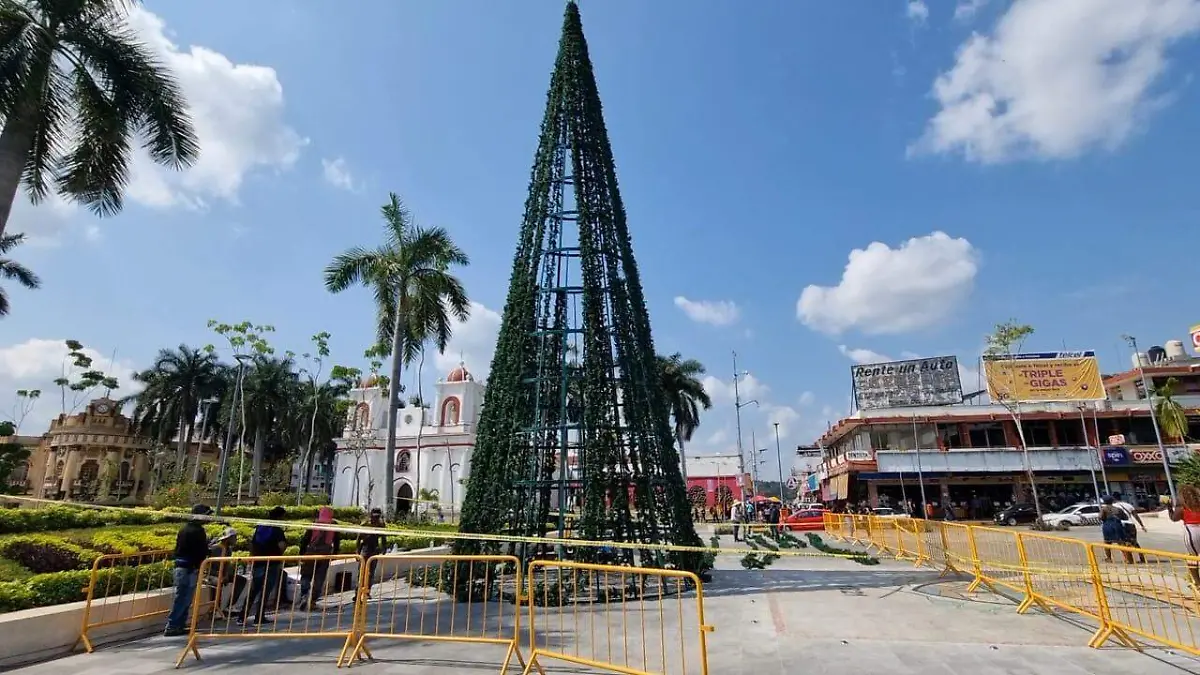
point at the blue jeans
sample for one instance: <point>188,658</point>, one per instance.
<point>185,592</point>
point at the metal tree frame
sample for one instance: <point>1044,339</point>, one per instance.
<point>575,376</point>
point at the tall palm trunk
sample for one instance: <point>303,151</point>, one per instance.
<point>393,410</point>
<point>682,458</point>
<point>16,139</point>
<point>260,447</point>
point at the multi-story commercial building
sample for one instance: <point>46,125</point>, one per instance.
<point>971,456</point>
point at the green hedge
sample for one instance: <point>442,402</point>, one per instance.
<point>42,554</point>
<point>56,518</point>
<point>57,588</point>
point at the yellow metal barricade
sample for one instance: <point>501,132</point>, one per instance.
<point>632,620</point>
<point>910,541</point>
<point>958,546</point>
<point>1148,594</point>
<point>446,598</point>
<point>125,588</point>
<point>1059,575</point>
<point>833,524</point>
<point>278,597</point>
<point>999,560</point>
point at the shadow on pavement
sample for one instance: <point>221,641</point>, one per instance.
<point>748,582</point>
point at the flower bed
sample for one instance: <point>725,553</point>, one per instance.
<point>46,555</point>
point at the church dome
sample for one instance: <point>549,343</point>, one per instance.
<point>368,382</point>
<point>460,374</point>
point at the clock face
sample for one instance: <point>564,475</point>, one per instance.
<point>102,408</point>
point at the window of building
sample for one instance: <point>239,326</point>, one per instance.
<point>950,436</point>
<point>986,435</point>
<point>403,462</point>
<point>1037,433</point>
<point>1070,433</point>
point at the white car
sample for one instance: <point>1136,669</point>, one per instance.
<point>883,512</point>
<point>1074,515</point>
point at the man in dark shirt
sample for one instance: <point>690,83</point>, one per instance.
<point>266,577</point>
<point>191,549</point>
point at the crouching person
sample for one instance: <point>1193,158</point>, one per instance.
<point>225,574</point>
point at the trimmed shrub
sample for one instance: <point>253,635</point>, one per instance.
<point>56,518</point>
<point>15,596</point>
<point>42,554</point>
<point>11,570</point>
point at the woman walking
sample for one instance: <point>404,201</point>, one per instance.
<point>317,542</point>
<point>1188,510</point>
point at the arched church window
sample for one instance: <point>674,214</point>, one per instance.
<point>450,413</point>
<point>402,462</point>
<point>362,415</point>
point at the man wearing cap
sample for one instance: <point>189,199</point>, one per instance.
<point>191,549</point>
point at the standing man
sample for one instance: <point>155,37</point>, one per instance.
<point>1128,515</point>
<point>266,576</point>
<point>191,549</point>
<point>735,517</point>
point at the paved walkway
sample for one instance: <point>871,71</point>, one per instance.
<point>812,615</point>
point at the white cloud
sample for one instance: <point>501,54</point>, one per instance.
<point>885,290</point>
<point>337,173</point>
<point>917,12</point>
<point>863,356</point>
<point>1055,79</point>
<point>966,10</point>
<point>36,363</point>
<point>714,312</point>
<point>807,398</point>
<point>473,343</point>
<point>749,388</point>
<point>237,110</point>
<point>46,224</point>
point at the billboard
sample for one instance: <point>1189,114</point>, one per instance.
<point>900,384</point>
<point>1195,332</point>
<point>1044,376</point>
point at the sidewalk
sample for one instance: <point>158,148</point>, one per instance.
<point>815,615</point>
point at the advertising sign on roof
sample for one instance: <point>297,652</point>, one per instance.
<point>899,384</point>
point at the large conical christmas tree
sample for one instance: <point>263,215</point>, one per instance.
<point>575,375</point>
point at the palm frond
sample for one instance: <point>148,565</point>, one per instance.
<point>354,266</point>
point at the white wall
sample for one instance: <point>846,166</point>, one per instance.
<point>712,465</point>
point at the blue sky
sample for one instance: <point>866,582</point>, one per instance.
<point>1053,142</point>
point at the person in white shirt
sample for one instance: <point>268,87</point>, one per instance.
<point>1128,517</point>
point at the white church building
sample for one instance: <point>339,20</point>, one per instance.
<point>433,446</point>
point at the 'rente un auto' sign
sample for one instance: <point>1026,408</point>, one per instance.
<point>898,384</point>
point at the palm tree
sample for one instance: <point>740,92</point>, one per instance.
<point>685,396</point>
<point>13,270</point>
<point>76,87</point>
<point>1171,416</point>
<point>416,298</point>
<point>271,389</point>
<point>186,376</point>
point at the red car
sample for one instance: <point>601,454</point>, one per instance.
<point>803,521</point>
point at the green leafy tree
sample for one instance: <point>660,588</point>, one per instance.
<point>1006,340</point>
<point>417,299</point>
<point>1172,417</point>
<point>685,397</point>
<point>12,454</point>
<point>271,389</point>
<point>77,87</point>
<point>246,341</point>
<point>12,270</point>
<point>79,379</point>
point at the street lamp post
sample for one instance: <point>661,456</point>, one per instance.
<point>1094,453</point>
<point>779,460</point>
<point>1103,471</point>
<point>224,463</point>
<point>1162,450</point>
<point>920,471</point>
<point>737,406</point>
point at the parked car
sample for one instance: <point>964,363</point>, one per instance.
<point>1017,514</point>
<point>884,512</point>
<point>804,521</point>
<point>811,506</point>
<point>1075,514</point>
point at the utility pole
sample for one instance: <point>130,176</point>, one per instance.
<point>738,405</point>
<point>1153,418</point>
<point>779,460</point>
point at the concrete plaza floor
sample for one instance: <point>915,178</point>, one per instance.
<point>812,615</point>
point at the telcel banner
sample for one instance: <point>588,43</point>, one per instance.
<point>1044,376</point>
